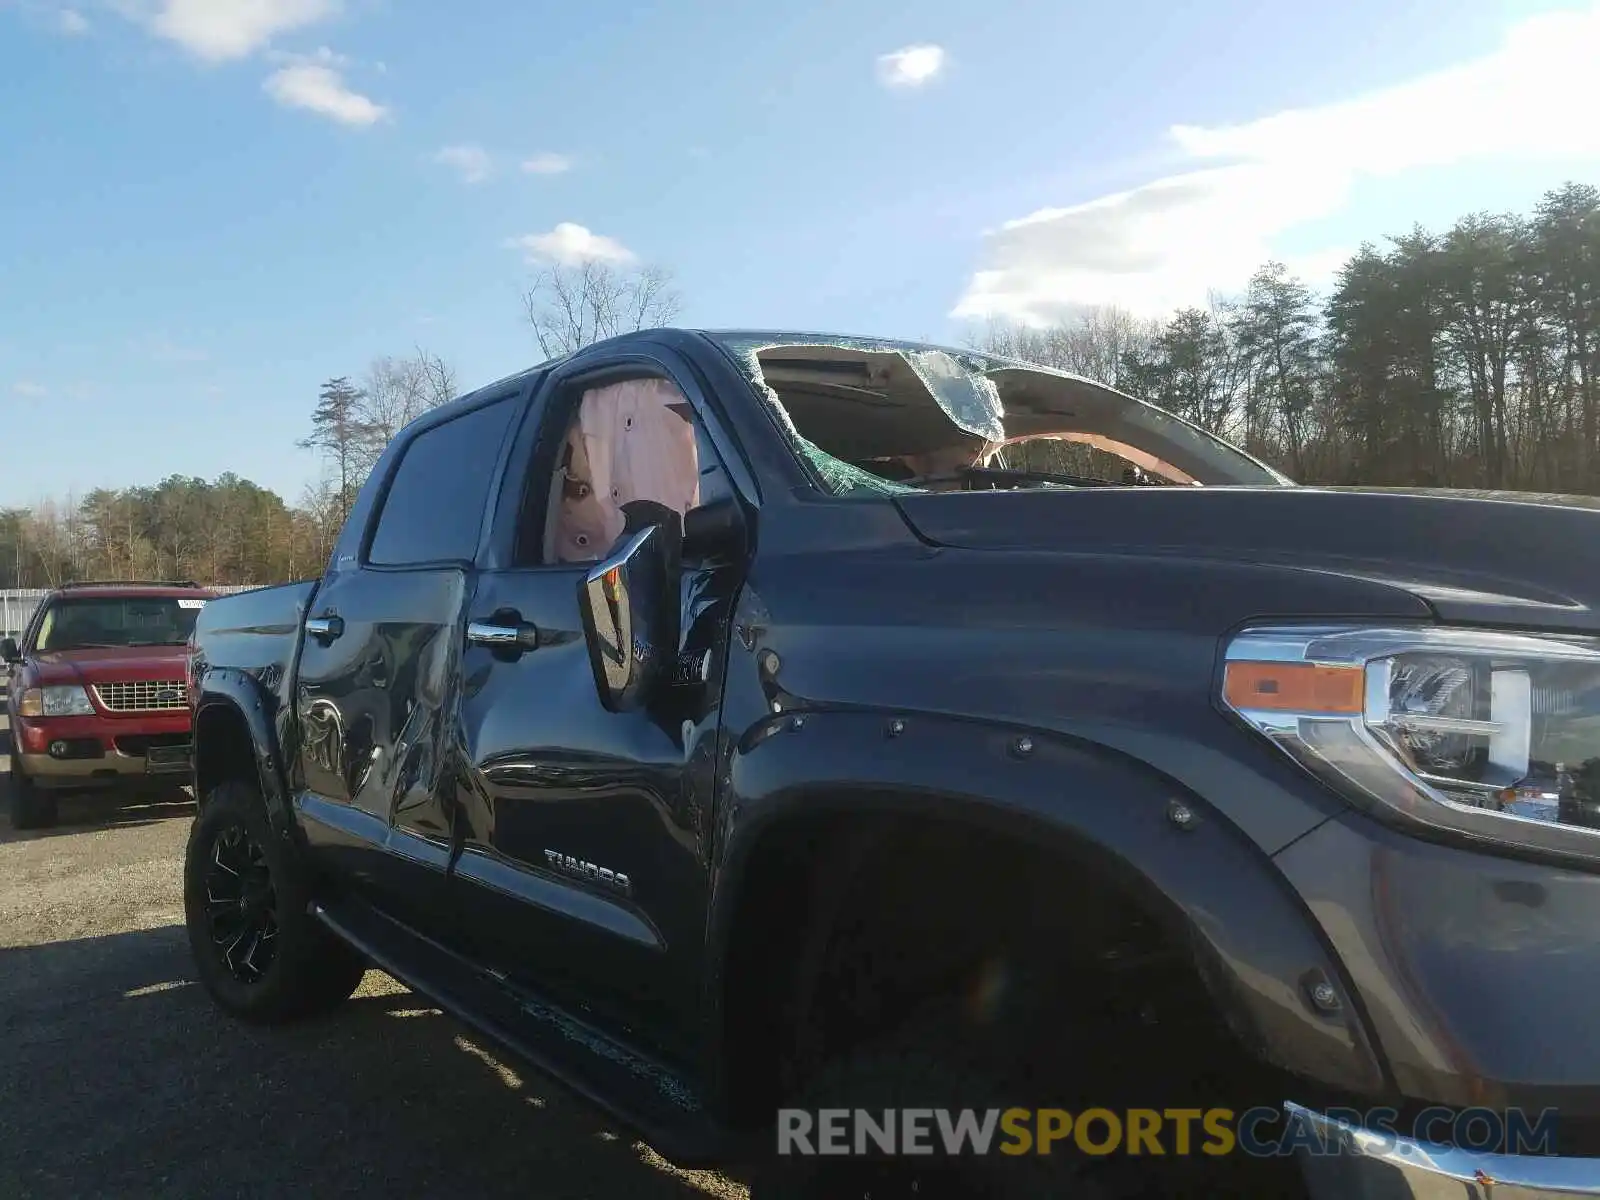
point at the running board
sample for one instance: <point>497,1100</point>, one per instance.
<point>633,1088</point>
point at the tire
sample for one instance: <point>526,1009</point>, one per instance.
<point>32,807</point>
<point>257,949</point>
<point>930,1064</point>
<point>942,1061</point>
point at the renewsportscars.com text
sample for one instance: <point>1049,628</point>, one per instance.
<point>1259,1132</point>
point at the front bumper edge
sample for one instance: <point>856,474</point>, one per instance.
<point>108,769</point>
<point>1358,1164</point>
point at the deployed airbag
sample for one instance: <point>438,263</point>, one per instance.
<point>632,440</point>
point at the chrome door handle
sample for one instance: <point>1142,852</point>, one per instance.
<point>324,629</point>
<point>507,633</point>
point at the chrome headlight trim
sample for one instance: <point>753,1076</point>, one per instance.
<point>1352,738</point>
<point>66,700</point>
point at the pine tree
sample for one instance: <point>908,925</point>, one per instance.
<point>340,430</point>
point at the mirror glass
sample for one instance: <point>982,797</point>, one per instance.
<point>629,603</point>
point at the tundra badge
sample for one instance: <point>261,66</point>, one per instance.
<point>568,865</point>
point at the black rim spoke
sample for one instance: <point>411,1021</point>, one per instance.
<point>241,905</point>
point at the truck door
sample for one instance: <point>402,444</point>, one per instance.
<point>380,663</point>
<point>584,869</point>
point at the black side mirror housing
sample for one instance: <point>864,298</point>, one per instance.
<point>714,531</point>
<point>8,650</point>
<point>629,604</point>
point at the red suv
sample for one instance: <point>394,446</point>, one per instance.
<point>98,694</point>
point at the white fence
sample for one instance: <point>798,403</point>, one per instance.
<point>17,605</point>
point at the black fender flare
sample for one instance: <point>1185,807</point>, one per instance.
<point>1258,948</point>
<point>244,700</point>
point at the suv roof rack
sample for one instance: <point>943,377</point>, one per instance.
<point>171,583</point>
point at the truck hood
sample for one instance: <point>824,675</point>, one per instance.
<point>109,664</point>
<point>1509,558</point>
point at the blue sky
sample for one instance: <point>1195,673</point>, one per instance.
<point>207,207</point>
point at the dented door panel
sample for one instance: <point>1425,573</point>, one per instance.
<point>586,833</point>
<point>376,707</point>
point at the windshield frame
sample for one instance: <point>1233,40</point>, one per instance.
<point>843,480</point>
<point>44,625</point>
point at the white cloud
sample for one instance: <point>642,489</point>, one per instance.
<point>316,83</point>
<point>1165,243</point>
<point>218,30</point>
<point>911,66</point>
<point>546,164</point>
<point>569,245</point>
<point>29,389</point>
<point>72,22</point>
<point>471,162</point>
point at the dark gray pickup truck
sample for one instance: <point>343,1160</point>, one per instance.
<point>886,770</point>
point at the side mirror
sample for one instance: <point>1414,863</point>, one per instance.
<point>714,531</point>
<point>8,650</point>
<point>629,602</point>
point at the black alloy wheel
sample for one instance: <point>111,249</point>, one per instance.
<point>249,901</point>
<point>241,904</point>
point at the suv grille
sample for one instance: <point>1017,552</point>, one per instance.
<point>147,695</point>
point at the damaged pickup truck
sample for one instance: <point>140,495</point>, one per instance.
<point>744,726</point>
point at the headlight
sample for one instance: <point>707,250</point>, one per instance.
<point>66,701</point>
<point>1493,735</point>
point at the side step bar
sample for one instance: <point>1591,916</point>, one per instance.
<point>634,1089</point>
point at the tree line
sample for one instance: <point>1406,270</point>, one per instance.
<point>229,530</point>
<point>1463,358</point>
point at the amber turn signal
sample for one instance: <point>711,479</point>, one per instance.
<point>1295,687</point>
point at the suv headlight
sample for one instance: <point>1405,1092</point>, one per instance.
<point>65,701</point>
<point>1487,734</point>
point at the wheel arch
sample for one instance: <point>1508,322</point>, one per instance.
<point>814,807</point>
<point>235,739</point>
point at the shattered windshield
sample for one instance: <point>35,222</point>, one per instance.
<point>870,416</point>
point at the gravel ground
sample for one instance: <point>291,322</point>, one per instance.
<point>118,1079</point>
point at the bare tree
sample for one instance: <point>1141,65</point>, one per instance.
<point>1092,342</point>
<point>395,392</point>
<point>438,377</point>
<point>323,514</point>
<point>50,542</point>
<point>571,307</point>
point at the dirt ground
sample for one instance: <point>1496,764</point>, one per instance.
<point>118,1079</point>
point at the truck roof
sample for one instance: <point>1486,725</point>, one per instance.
<point>115,589</point>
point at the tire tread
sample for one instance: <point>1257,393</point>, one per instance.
<point>312,970</point>
<point>31,806</point>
